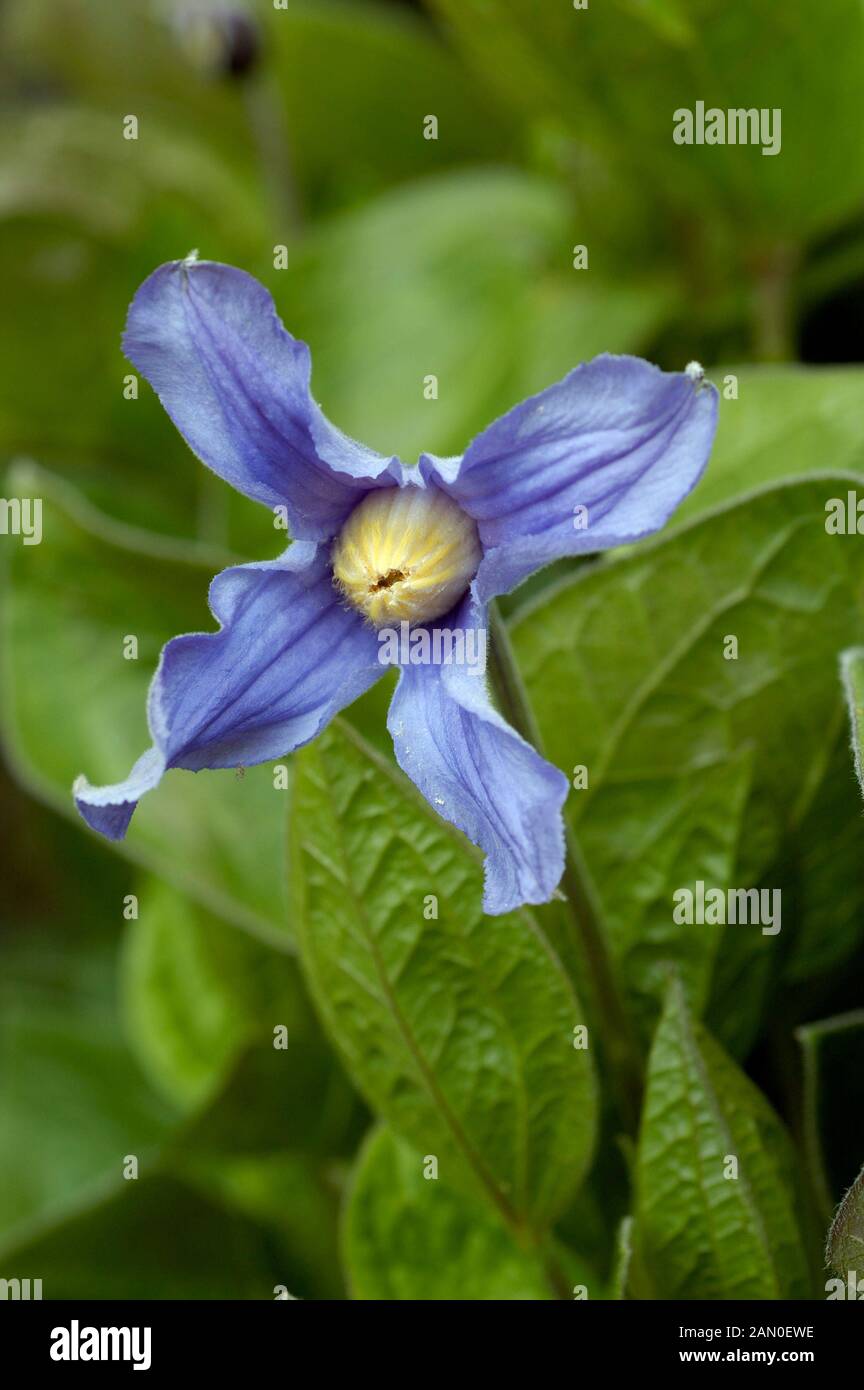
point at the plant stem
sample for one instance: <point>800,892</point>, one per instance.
<point>773,272</point>
<point>267,121</point>
<point>583,917</point>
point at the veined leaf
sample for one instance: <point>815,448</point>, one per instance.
<point>697,672</point>
<point>782,423</point>
<point>716,1206</point>
<point>413,1237</point>
<point>457,1027</point>
<point>845,1248</point>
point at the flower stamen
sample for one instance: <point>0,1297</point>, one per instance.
<point>385,581</point>
<point>406,554</point>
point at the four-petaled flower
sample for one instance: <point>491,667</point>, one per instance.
<point>618,443</point>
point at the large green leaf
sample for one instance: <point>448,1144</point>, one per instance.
<point>559,61</point>
<point>626,669</point>
<point>71,702</point>
<point>408,1236</point>
<point>458,1029</point>
<point>709,1228</point>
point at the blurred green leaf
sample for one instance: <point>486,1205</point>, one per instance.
<point>223,1027</point>
<point>706,1230</point>
<point>85,216</point>
<point>294,1098</point>
<point>626,670</point>
<point>567,64</point>
<point>458,1028</point>
<point>352,84</point>
<point>73,1101</point>
<point>824,875</point>
<point>852,673</point>
<point>465,277</point>
<point>407,1237</point>
<point>295,1197</point>
<point>152,1237</point>
<point>197,994</point>
<point>369,75</point>
<point>129,58</point>
<point>71,702</point>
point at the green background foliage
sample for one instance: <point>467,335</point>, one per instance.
<point>341,1091</point>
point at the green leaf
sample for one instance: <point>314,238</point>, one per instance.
<point>197,994</point>
<point>409,1237</point>
<point>71,702</point>
<point>833,1071</point>
<point>845,1248</point>
<point>852,674</point>
<point>152,1238</point>
<point>566,64</point>
<point>786,422</point>
<point>626,670</point>
<point>824,872</point>
<point>294,1098</point>
<point>85,216</point>
<point>131,60</point>
<point>702,1233</point>
<point>464,277</point>
<point>331,61</point>
<point>296,1197</point>
<point>324,62</point>
<point>623,1259</point>
<point>457,1028</point>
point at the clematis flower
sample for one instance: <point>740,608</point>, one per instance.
<point>599,459</point>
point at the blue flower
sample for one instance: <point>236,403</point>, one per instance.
<point>600,459</point>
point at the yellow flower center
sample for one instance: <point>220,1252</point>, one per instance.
<point>405,554</point>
